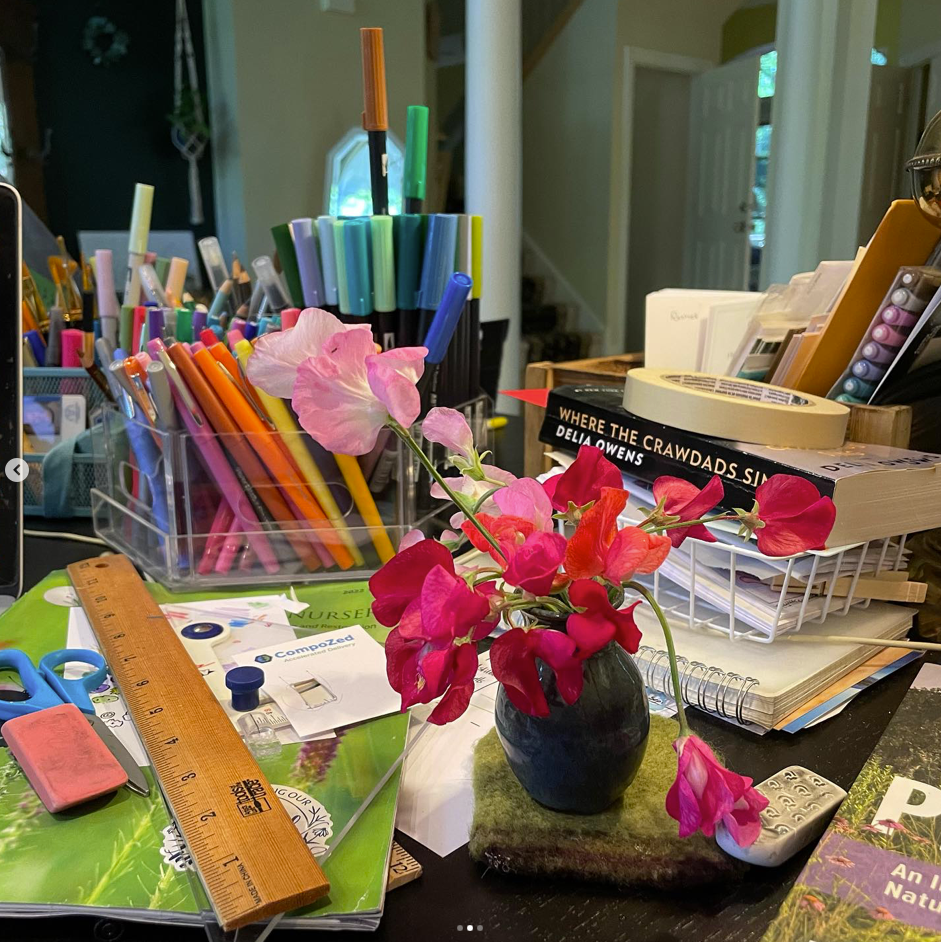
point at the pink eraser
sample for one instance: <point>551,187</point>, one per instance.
<point>63,757</point>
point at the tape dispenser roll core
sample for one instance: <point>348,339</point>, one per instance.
<point>736,409</point>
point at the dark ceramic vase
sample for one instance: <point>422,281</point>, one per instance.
<point>580,758</point>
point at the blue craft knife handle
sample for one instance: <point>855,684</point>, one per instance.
<point>74,691</point>
<point>39,695</point>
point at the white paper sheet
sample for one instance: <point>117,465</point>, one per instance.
<point>326,680</point>
<point>436,799</point>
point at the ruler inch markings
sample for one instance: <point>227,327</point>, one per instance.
<point>250,857</point>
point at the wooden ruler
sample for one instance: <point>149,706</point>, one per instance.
<point>250,857</point>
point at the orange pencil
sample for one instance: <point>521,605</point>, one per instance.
<point>266,445</point>
<point>234,442</point>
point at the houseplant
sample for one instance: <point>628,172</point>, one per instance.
<point>571,711</point>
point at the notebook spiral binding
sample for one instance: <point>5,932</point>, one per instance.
<point>727,699</point>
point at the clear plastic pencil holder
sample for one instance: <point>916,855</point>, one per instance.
<point>224,511</point>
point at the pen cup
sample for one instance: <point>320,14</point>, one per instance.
<point>164,512</point>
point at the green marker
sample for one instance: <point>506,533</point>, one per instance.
<point>383,280</point>
<point>416,158</point>
<point>284,243</point>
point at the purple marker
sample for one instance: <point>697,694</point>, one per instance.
<point>898,318</point>
<point>876,353</point>
<point>866,370</point>
<point>199,322</point>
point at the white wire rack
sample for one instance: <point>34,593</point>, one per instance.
<point>715,590</point>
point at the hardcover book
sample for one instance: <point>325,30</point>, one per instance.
<point>878,491</point>
<point>876,873</point>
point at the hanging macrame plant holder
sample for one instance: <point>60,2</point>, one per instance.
<point>189,133</point>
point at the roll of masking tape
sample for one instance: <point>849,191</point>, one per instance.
<point>737,409</point>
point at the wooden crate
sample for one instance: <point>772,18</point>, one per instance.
<point>874,425</point>
<point>601,371</point>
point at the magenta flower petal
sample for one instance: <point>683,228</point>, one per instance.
<point>449,428</point>
<point>276,357</point>
<point>513,665</point>
<point>583,480</point>
<point>460,686</point>
<point>705,792</point>
<point>796,518</point>
<point>557,649</point>
<point>535,564</point>
<point>686,501</point>
<point>400,580</point>
<point>806,531</point>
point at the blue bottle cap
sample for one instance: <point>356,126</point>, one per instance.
<point>245,682</point>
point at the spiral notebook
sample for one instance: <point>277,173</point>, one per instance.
<point>762,683</point>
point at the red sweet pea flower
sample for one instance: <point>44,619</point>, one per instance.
<point>686,501</point>
<point>513,659</point>
<point>583,480</point>
<point>598,548</point>
<point>535,565</point>
<point>400,580</point>
<point>433,651</point>
<point>510,533</point>
<point>705,793</point>
<point>792,516</point>
<point>601,622</point>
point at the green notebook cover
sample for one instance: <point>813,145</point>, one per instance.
<point>121,856</point>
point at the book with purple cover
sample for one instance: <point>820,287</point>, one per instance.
<point>876,873</point>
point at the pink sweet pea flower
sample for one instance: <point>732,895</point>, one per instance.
<point>344,396</point>
<point>686,501</point>
<point>449,428</point>
<point>535,565</point>
<point>583,480</point>
<point>416,536</point>
<point>600,622</point>
<point>792,516</point>
<point>513,659</point>
<point>274,362</point>
<point>433,651</point>
<point>705,793</point>
<point>399,582</point>
<point>473,489</point>
<point>526,498</point>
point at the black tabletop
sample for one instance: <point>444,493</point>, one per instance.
<point>454,892</point>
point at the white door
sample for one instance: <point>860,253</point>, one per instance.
<point>723,120</point>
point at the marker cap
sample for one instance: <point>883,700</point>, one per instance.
<point>356,248</point>
<point>383,263</point>
<point>407,236</point>
<point>440,246</point>
<point>376,113</point>
<point>416,152</point>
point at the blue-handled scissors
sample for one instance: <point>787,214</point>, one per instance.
<point>45,688</point>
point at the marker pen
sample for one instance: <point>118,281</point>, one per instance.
<point>152,286</point>
<point>284,244</point>
<point>438,264</point>
<point>890,336</point>
<point>176,278</point>
<point>866,370</point>
<point>73,343</point>
<point>859,388</point>
<point>898,318</point>
<point>877,353</point>
<point>416,157</point>
<point>137,240</point>
<point>383,277</point>
<point>108,309</point>
<point>408,238</point>
<point>328,262</point>
<point>906,299</point>
<point>308,262</point>
<point>274,290</point>
<point>54,338</point>
<point>356,251</point>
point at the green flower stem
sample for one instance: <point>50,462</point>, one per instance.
<point>671,650</point>
<point>404,435</point>
<point>692,523</point>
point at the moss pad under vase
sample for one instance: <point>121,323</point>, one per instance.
<point>633,843</point>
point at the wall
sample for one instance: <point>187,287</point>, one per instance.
<point>754,25</point>
<point>567,101</point>
<point>108,123</point>
<point>296,88</point>
<point>919,30</point>
<point>687,28</point>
